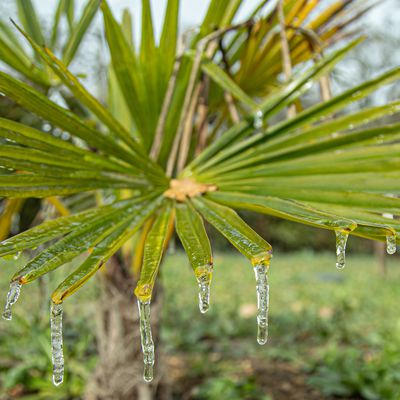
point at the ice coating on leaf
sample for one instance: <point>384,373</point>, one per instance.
<point>203,276</point>
<point>146,340</point>
<point>12,297</point>
<point>341,241</point>
<point>391,246</point>
<point>56,312</point>
<point>258,119</point>
<point>261,274</point>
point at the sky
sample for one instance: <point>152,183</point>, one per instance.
<point>192,11</point>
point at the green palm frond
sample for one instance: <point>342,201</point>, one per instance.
<point>175,150</point>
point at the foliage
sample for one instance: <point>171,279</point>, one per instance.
<point>195,150</point>
<point>22,61</point>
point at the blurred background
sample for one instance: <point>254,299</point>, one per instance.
<point>334,334</point>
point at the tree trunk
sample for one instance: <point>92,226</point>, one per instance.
<point>380,255</point>
<point>119,373</point>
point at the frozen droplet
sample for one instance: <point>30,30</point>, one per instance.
<point>146,339</point>
<point>203,276</point>
<point>258,119</point>
<point>56,312</point>
<point>341,241</point>
<point>16,256</point>
<point>261,273</point>
<point>391,246</point>
<point>12,297</point>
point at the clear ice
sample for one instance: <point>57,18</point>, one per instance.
<point>261,273</point>
<point>341,240</point>
<point>146,339</point>
<point>391,246</point>
<point>203,275</point>
<point>258,120</point>
<point>56,312</point>
<point>12,297</point>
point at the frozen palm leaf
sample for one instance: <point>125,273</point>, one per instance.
<point>156,241</point>
<point>283,208</point>
<point>77,242</point>
<point>53,229</point>
<point>251,151</point>
<point>191,232</point>
<point>251,245</point>
<point>120,233</point>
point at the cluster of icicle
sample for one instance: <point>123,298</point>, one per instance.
<point>204,281</point>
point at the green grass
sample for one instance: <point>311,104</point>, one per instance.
<point>341,327</point>
<point>337,330</point>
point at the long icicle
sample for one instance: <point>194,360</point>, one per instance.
<point>203,276</point>
<point>261,273</point>
<point>146,339</point>
<point>341,241</point>
<point>12,297</point>
<point>56,313</point>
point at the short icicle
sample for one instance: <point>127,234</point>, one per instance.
<point>56,313</point>
<point>261,273</point>
<point>391,246</point>
<point>203,276</point>
<point>341,241</point>
<point>258,119</point>
<point>146,339</point>
<point>12,297</point>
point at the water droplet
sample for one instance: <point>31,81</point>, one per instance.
<point>391,246</point>
<point>258,119</point>
<point>146,339</point>
<point>261,273</point>
<point>341,241</point>
<point>12,297</point>
<point>204,275</point>
<point>11,257</point>
<point>56,312</point>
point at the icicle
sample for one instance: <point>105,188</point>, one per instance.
<point>146,339</point>
<point>341,240</point>
<point>56,312</point>
<point>261,273</point>
<point>258,119</point>
<point>391,246</point>
<point>204,275</point>
<point>12,297</point>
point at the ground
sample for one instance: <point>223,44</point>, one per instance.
<point>333,334</point>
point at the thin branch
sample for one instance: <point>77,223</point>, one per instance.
<point>188,128</point>
<point>227,96</point>
<point>202,113</point>
<point>233,112</point>
<point>155,150</point>
<point>287,64</point>
<point>201,48</point>
<point>317,49</point>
